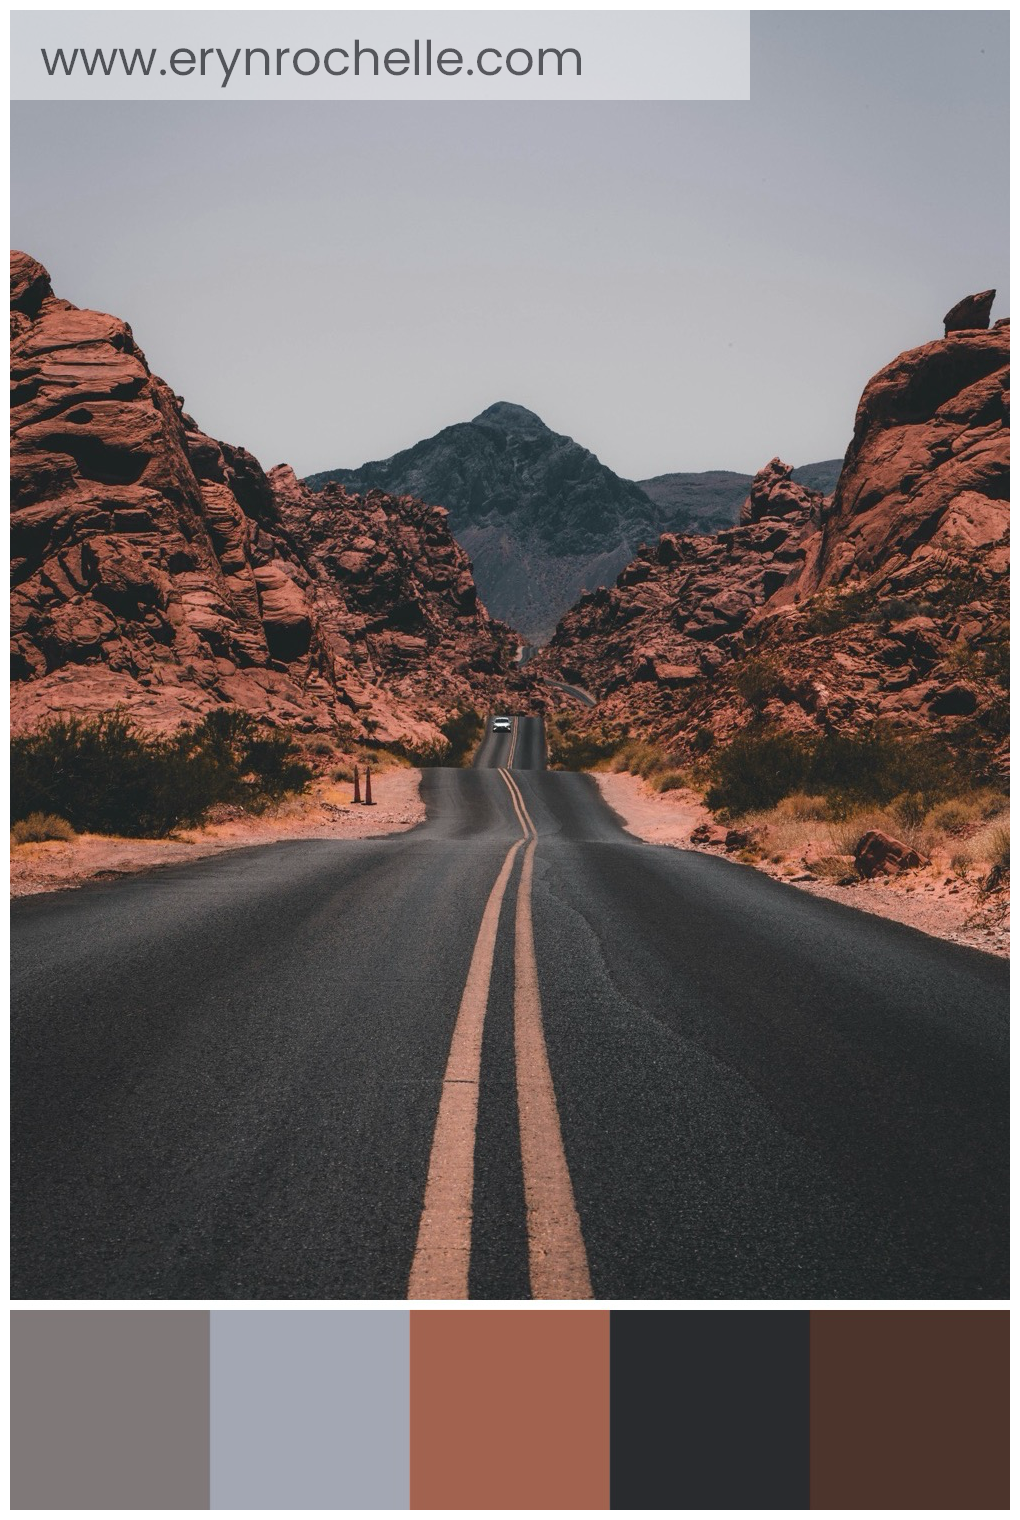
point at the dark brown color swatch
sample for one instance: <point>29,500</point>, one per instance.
<point>909,1409</point>
<point>510,1410</point>
<point>109,1409</point>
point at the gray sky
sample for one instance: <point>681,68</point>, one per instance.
<point>677,286</point>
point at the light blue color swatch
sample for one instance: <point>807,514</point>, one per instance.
<point>310,1409</point>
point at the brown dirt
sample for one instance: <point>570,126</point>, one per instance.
<point>325,813</point>
<point>937,903</point>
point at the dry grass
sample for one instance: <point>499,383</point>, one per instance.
<point>644,760</point>
<point>999,845</point>
<point>378,761</point>
<point>966,835</point>
<point>37,828</point>
<point>669,781</point>
<point>801,806</point>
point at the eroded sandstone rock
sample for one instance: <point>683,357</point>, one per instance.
<point>972,312</point>
<point>879,854</point>
<point>887,602</point>
<point>161,571</point>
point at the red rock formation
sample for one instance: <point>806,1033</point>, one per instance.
<point>971,312</point>
<point>880,854</point>
<point>158,570</point>
<point>677,613</point>
<point>889,602</point>
<point>775,493</point>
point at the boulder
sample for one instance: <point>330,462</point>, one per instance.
<point>879,854</point>
<point>972,313</point>
<point>743,838</point>
<point>957,701</point>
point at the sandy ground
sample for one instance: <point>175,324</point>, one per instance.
<point>935,902</point>
<point>325,813</point>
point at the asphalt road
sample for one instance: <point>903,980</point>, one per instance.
<point>240,1078</point>
<point>577,692</point>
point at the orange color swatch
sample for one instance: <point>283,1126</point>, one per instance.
<point>510,1409</point>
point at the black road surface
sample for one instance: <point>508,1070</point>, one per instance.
<point>226,1075</point>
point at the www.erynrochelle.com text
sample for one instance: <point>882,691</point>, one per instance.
<point>423,59</point>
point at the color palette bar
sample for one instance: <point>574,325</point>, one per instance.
<point>508,1409</point>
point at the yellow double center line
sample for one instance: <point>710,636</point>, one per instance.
<point>513,746</point>
<point>557,1260</point>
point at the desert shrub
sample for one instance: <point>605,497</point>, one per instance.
<point>373,757</point>
<point>909,810</point>
<point>759,767</point>
<point>845,833</point>
<point>642,759</point>
<point>462,731</point>
<point>39,827</point>
<point>831,611</point>
<point>758,679</point>
<point>960,863</point>
<point>876,765</point>
<point>956,815</point>
<point>669,781</point>
<point>830,867</point>
<point>578,748</point>
<point>703,741</point>
<point>106,776</point>
<point>321,747</point>
<point>990,801</point>
<point>269,770</point>
<point>1000,847</point>
<point>995,659</point>
<point>756,770</point>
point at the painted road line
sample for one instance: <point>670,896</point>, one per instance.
<point>527,827</point>
<point>442,1255</point>
<point>557,1259</point>
<point>513,744</point>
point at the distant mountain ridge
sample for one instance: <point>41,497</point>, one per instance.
<point>542,518</point>
<point>710,500</point>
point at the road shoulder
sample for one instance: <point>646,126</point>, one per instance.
<point>953,910</point>
<point>325,813</point>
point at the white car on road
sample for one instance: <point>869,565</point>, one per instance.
<point>501,725</point>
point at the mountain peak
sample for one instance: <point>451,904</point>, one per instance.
<point>506,414</point>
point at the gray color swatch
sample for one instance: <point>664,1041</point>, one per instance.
<point>310,1409</point>
<point>109,1409</point>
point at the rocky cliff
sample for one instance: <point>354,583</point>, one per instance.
<point>886,601</point>
<point>158,570</point>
